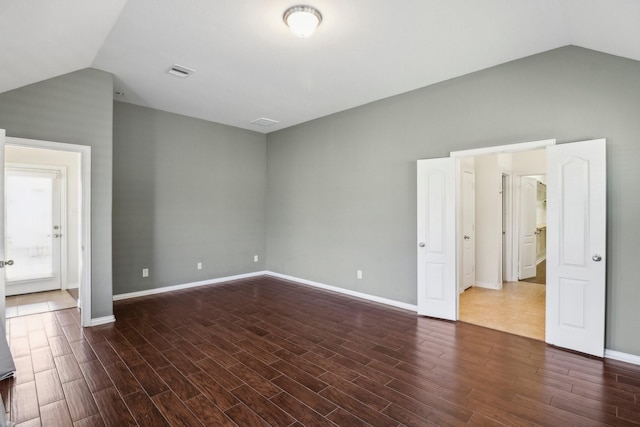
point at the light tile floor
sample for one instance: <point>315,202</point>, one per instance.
<point>40,302</point>
<point>519,308</point>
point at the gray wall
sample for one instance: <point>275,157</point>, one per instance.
<point>185,191</point>
<point>76,108</point>
<point>342,189</point>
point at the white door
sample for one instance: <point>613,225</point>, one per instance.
<point>32,229</point>
<point>576,246</point>
<point>527,228</point>
<point>7,366</point>
<point>2,258</point>
<point>437,289</point>
<point>468,229</point>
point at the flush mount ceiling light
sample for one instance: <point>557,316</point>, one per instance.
<point>302,20</point>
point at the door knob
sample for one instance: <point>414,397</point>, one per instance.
<point>596,258</point>
<point>3,263</point>
<point>467,237</point>
<point>56,235</point>
<point>421,244</point>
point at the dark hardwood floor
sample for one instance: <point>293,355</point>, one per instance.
<point>264,351</point>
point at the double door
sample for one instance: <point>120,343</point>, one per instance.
<point>576,243</point>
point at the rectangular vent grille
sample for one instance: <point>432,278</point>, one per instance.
<point>180,71</point>
<point>263,121</point>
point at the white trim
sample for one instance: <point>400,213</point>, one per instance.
<point>398,304</point>
<point>102,320</point>
<point>164,289</point>
<point>85,233</point>
<point>500,149</point>
<point>623,357</point>
<point>507,244</point>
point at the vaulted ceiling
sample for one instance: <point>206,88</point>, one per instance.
<point>248,65</point>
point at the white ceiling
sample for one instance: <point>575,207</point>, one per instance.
<point>248,65</point>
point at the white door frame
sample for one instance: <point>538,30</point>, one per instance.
<point>62,170</point>
<point>506,182</point>
<point>465,201</point>
<point>85,214</point>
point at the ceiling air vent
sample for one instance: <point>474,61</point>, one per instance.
<point>180,71</point>
<point>263,121</point>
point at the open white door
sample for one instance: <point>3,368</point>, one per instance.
<point>7,366</point>
<point>437,296</point>
<point>576,246</point>
<point>2,266</point>
<point>527,228</point>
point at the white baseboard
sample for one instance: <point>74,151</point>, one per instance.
<point>186,286</point>
<point>398,304</point>
<point>609,354</point>
<point>102,320</point>
<point>623,357</point>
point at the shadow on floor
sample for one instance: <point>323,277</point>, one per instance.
<point>541,274</point>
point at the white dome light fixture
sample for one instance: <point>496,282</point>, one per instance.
<point>302,20</point>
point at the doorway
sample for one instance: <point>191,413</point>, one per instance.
<point>61,254</point>
<point>576,239</point>
<point>41,230</point>
<point>34,241</point>
<point>507,242</point>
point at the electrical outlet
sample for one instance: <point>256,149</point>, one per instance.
<point>359,274</point>
<point>145,272</point>
<point>199,266</point>
<point>255,258</point>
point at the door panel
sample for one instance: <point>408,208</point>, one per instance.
<point>576,246</point>
<point>2,254</point>
<point>7,366</point>
<point>527,228</point>
<point>437,296</point>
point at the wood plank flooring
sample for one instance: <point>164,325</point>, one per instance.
<point>263,351</point>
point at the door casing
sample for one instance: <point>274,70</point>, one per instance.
<point>468,231</point>
<point>85,214</point>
